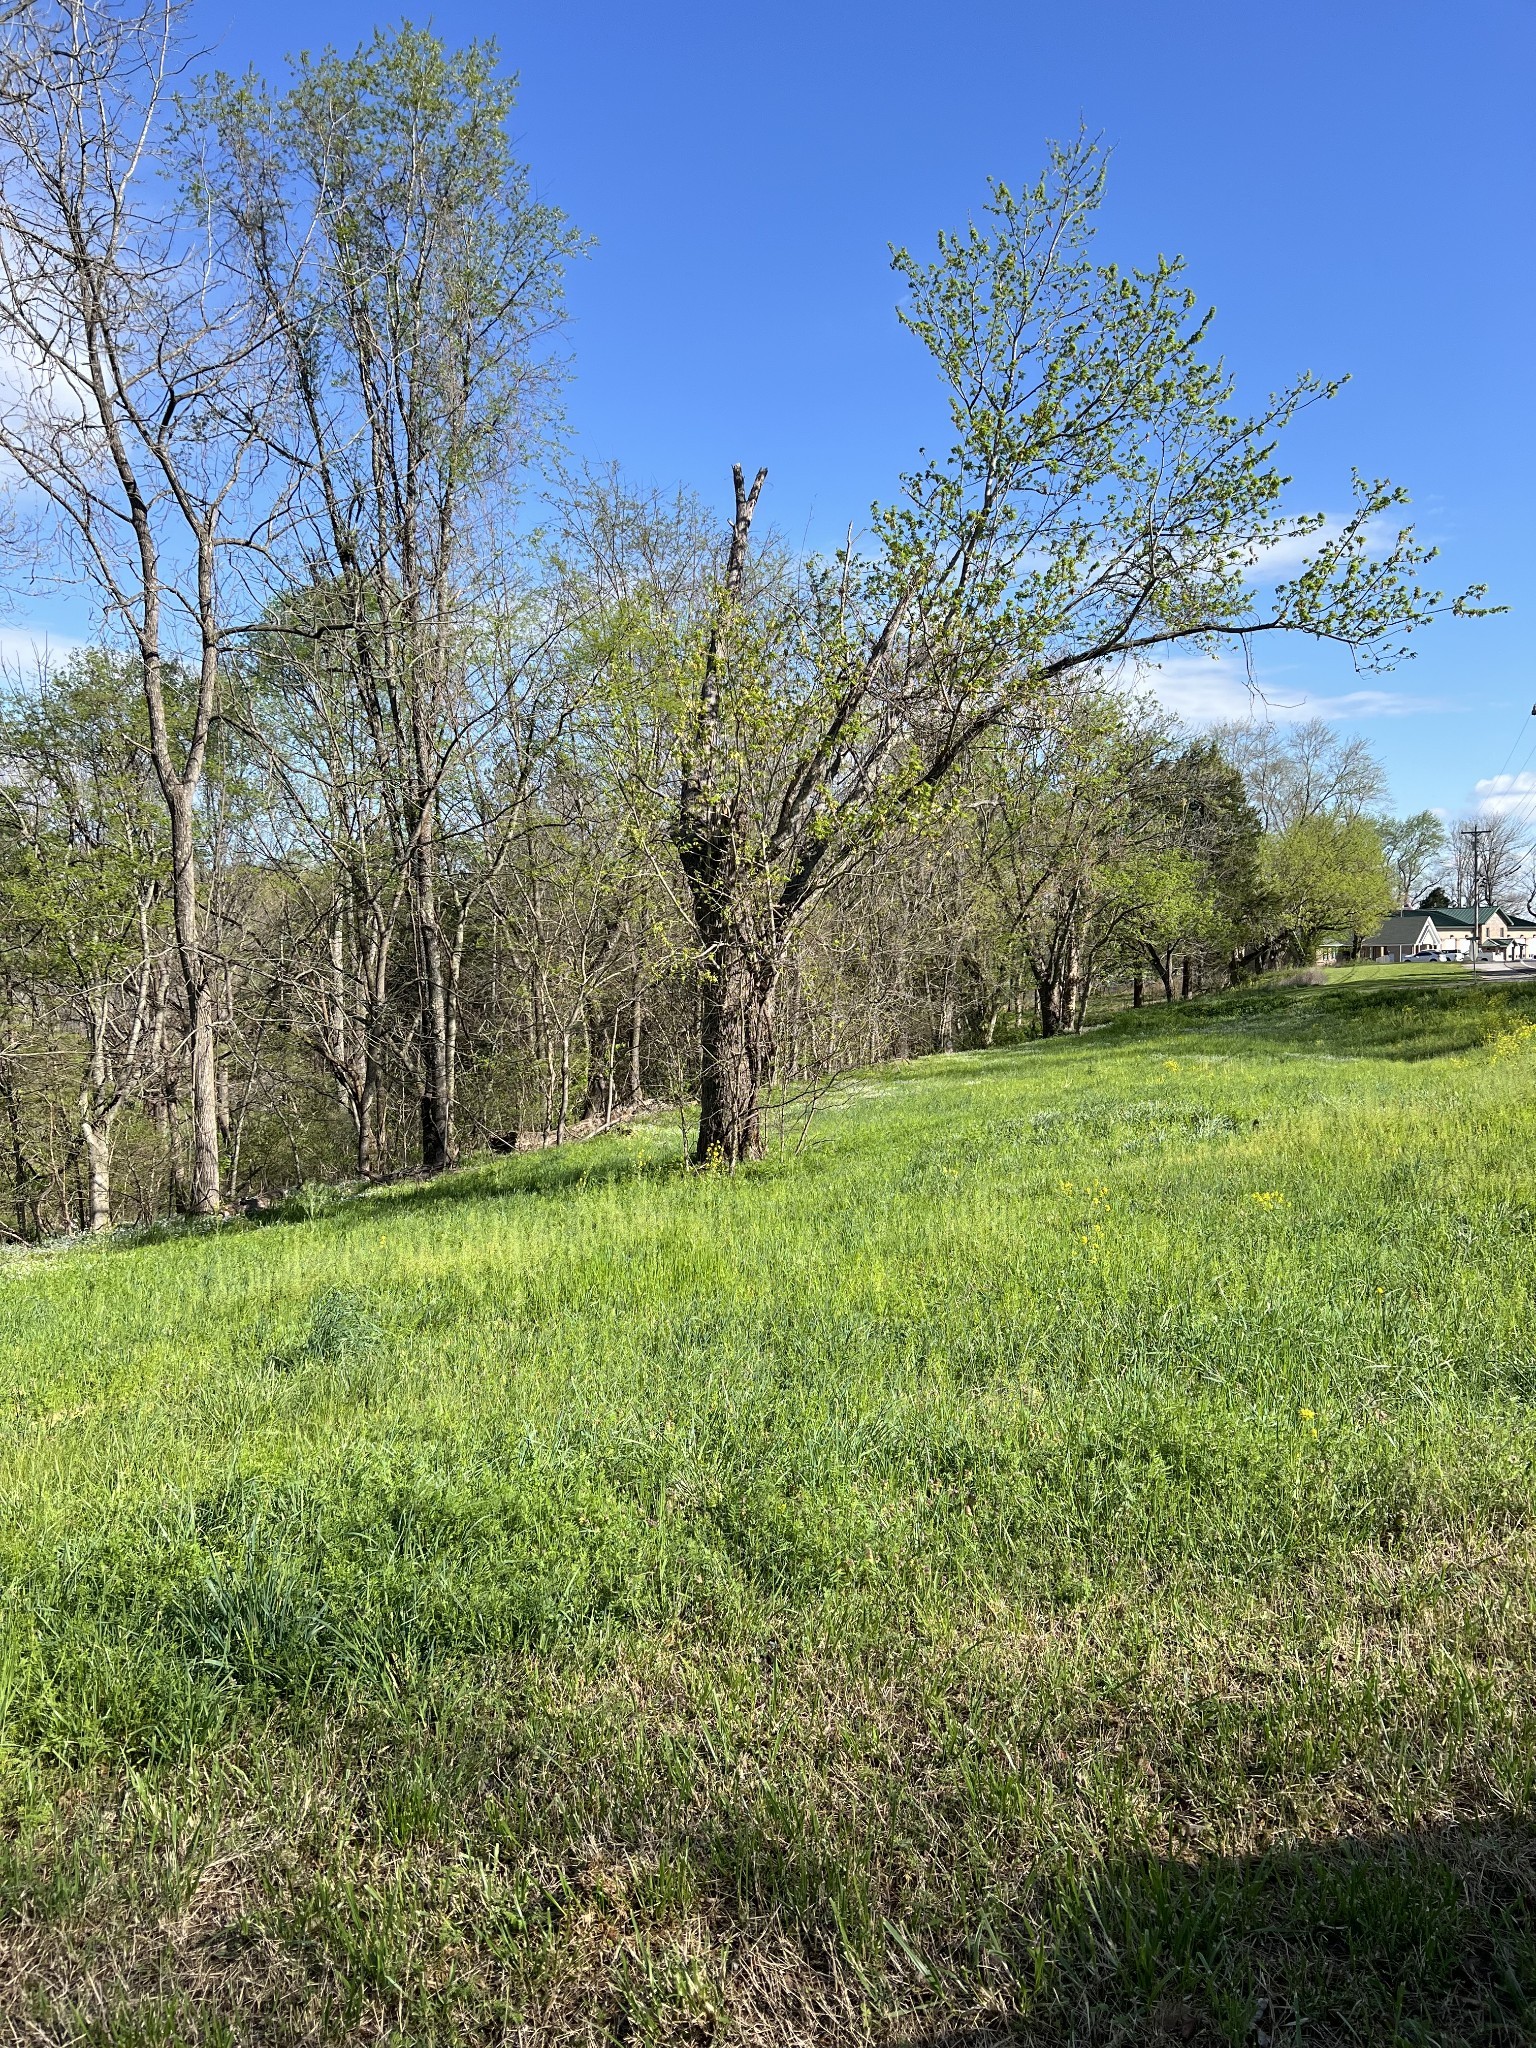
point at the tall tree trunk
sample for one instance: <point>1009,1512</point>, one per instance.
<point>98,1164</point>
<point>371,1150</point>
<point>197,990</point>
<point>223,981</point>
<point>368,1159</point>
<point>1083,989</point>
<point>1184,980</point>
<point>179,791</point>
<point>1061,987</point>
<point>206,1171</point>
<point>635,1091</point>
<point>551,1083</point>
<point>1136,991</point>
<point>438,1149</point>
<point>599,1031</point>
<point>1163,962</point>
<point>165,1111</point>
<point>605,1089</point>
<point>736,1020</point>
<point>944,1029</point>
<point>21,1173</point>
<point>613,1054</point>
<point>1050,999</point>
<point>96,1129</point>
<point>710,833</point>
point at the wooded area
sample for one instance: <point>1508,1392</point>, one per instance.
<point>424,794</point>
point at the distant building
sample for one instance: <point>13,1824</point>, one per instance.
<point>1412,936</point>
<point>1450,935</point>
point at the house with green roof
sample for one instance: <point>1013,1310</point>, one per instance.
<point>1412,935</point>
<point>1452,934</point>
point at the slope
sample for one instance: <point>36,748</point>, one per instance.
<point>1055,1555</point>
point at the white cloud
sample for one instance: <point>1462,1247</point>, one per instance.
<point>43,387</point>
<point>1205,691</point>
<point>1289,554</point>
<point>1286,556</point>
<point>1496,796</point>
<point>1201,692</point>
<point>1368,704</point>
<point>28,649</point>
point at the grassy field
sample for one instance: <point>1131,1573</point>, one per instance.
<point>1053,1561</point>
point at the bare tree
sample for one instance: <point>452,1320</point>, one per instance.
<point>326,828</point>
<point>132,403</point>
<point>1415,849</point>
<point>413,277</point>
<point>1488,856</point>
<point>1303,771</point>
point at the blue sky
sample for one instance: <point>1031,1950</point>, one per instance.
<point>1351,183</point>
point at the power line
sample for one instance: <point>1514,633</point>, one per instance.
<point>1525,801</point>
<point>1515,743</point>
<point>1525,762</point>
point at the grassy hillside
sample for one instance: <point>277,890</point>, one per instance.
<point>1055,1555</point>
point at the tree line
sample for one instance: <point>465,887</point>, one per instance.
<point>420,792</point>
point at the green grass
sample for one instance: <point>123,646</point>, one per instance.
<point>1054,1561</point>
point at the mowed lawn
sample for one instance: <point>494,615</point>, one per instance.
<point>1052,1560</point>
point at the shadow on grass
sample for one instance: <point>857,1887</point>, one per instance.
<point>529,1176</point>
<point>561,1170</point>
<point>1423,1937</point>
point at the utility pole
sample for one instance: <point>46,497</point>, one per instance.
<point>1476,833</point>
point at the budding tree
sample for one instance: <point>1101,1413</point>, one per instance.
<point>1101,500</point>
<point>81,879</point>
